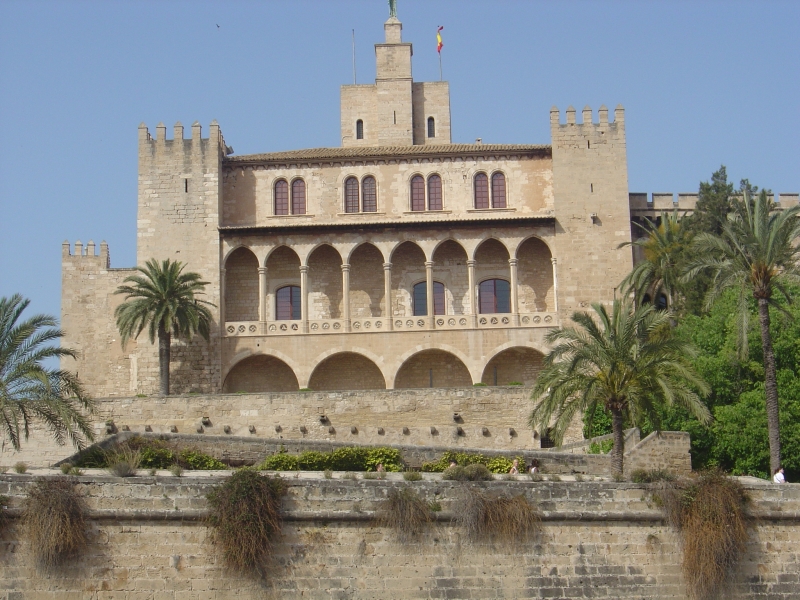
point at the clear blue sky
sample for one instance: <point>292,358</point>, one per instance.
<point>703,84</point>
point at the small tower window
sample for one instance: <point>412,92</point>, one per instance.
<point>369,195</point>
<point>434,192</point>
<point>431,127</point>
<point>359,129</point>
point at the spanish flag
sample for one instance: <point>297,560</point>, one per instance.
<point>439,42</point>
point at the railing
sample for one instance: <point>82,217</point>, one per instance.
<point>380,324</point>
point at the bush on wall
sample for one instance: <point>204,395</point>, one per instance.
<point>405,512</point>
<point>508,519</point>
<point>351,458</point>
<point>498,464</point>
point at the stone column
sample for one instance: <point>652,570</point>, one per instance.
<point>429,291</point>
<point>512,263</point>
<point>473,295</point>
<point>304,297</point>
<point>346,295</point>
<point>387,294</point>
<point>555,284</point>
<point>262,294</point>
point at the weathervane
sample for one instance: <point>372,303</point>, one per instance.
<point>392,9</point>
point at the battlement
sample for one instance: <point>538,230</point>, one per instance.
<point>642,206</point>
<point>88,252</point>
<point>214,134</point>
<point>586,116</point>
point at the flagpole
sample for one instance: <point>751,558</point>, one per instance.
<point>354,56</point>
<point>440,66</point>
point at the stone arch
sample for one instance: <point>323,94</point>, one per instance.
<point>346,371</point>
<point>520,364</point>
<point>450,267</point>
<point>325,283</point>
<point>408,268</point>
<point>535,291</point>
<point>260,373</point>
<point>491,262</point>
<point>366,281</point>
<point>241,285</point>
<point>283,268</point>
<point>432,368</point>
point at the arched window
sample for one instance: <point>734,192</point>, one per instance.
<point>661,302</point>
<point>420,299</point>
<point>434,192</point>
<point>494,296</point>
<point>281,197</point>
<point>369,195</point>
<point>298,197</point>
<point>351,195</point>
<point>359,129</point>
<point>498,190</point>
<point>417,193</point>
<point>287,303</point>
<point>481,191</point>
<point>431,127</point>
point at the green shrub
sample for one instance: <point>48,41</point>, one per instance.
<point>515,383</point>
<point>645,476</point>
<point>499,464</point>
<point>405,512</point>
<point>389,457</point>
<point>123,461</point>
<point>603,447</point>
<point>473,472</point>
<point>65,468</point>
<point>92,458</point>
<point>244,514</point>
<point>412,475</point>
<point>349,458</point>
<point>280,462</point>
<point>176,470</point>
<point>311,460</point>
<point>198,461</point>
<point>21,467</point>
<point>156,457</point>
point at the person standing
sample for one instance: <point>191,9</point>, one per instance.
<point>778,477</point>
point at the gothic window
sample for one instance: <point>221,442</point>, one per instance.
<point>281,197</point>
<point>498,190</point>
<point>369,194</point>
<point>420,299</point>
<point>494,296</point>
<point>481,191</point>
<point>298,197</point>
<point>431,127</point>
<point>417,193</point>
<point>434,192</point>
<point>351,195</point>
<point>359,129</point>
<point>287,303</point>
<point>547,439</point>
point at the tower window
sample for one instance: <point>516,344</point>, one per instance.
<point>298,197</point>
<point>351,195</point>
<point>417,193</point>
<point>494,296</point>
<point>431,127</point>
<point>369,195</point>
<point>420,299</point>
<point>359,129</point>
<point>481,191</point>
<point>281,197</point>
<point>434,192</point>
<point>498,190</point>
<point>287,303</point>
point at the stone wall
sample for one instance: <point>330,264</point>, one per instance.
<point>598,540</point>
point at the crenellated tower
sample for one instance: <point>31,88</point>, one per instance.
<point>590,186</point>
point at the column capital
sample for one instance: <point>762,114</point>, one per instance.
<point>345,267</point>
<point>471,263</point>
<point>304,268</point>
<point>262,270</point>
<point>387,266</point>
<point>553,260</point>
<point>428,264</point>
<point>513,261</point>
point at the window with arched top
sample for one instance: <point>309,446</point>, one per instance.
<point>351,195</point>
<point>369,194</point>
<point>287,303</point>
<point>281,197</point>
<point>298,197</point>
<point>417,193</point>
<point>494,296</point>
<point>434,192</point>
<point>420,299</point>
<point>359,129</point>
<point>481,190</point>
<point>431,127</point>
<point>498,190</point>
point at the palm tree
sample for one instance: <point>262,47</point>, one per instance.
<point>163,299</point>
<point>663,248</point>
<point>757,254</point>
<point>31,391</point>
<point>627,362</point>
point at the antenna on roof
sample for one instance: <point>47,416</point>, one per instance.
<point>354,56</point>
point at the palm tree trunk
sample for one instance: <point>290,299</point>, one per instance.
<point>771,387</point>
<point>163,359</point>
<point>619,441</point>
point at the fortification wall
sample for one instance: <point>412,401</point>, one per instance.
<point>598,540</point>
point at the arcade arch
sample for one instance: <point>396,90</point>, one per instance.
<point>518,364</point>
<point>260,373</point>
<point>432,368</point>
<point>346,371</point>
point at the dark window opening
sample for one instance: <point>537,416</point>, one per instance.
<point>420,299</point>
<point>547,440</point>
<point>359,129</point>
<point>661,303</point>
<point>481,191</point>
<point>591,188</point>
<point>287,303</point>
<point>351,195</point>
<point>494,296</point>
<point>434,192</point>
<point>431,127</point>
<point>298,197</point>
<point>186,186</point>
<point>498,190</point>
<point>417,193</point>
<point>281,197</point>
<point>369,198</point>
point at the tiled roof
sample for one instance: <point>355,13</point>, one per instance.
<point>367,152</point>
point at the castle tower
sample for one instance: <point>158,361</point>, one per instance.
<point>590,185</point>
<point>395,111</point>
